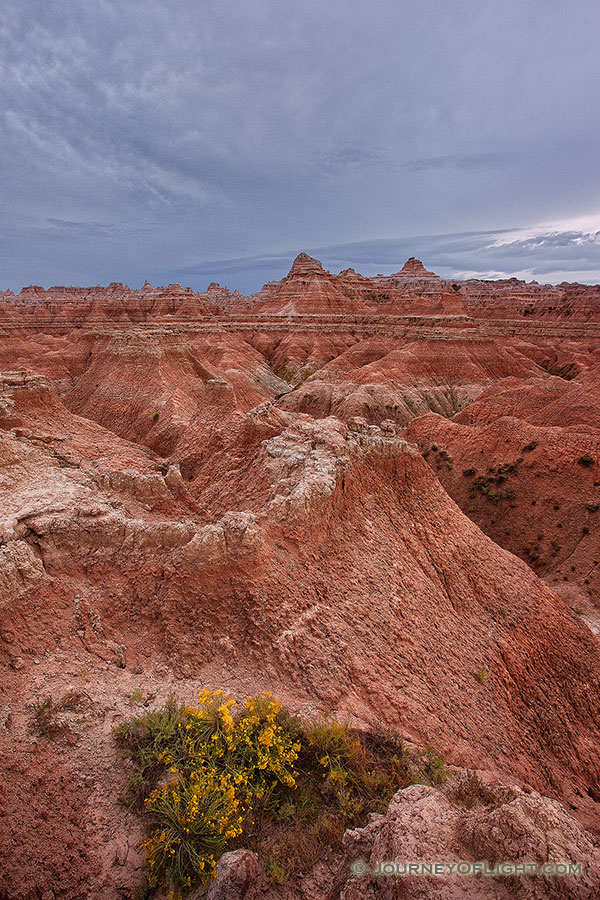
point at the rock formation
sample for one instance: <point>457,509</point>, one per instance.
<point>376,497</point>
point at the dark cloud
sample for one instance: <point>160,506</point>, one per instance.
<point>176,132</point>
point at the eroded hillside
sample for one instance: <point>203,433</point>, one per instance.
<point>375,497</point>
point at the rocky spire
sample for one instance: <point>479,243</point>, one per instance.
<point>415,267</point>
<point>305,265</point>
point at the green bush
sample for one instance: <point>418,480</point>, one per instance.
<point>191,823</point>
<point>483,483</point>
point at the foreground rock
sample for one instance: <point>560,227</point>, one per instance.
<point>235,874</point>
<point>423,825</point>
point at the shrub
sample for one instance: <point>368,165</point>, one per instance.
<point>334,745</point>
<point>469,472</point>
<point>191,823</point>
<point>586,460</point>
<point>530,446</point>
<point>482,483</point>
<point>146,739</point>
<point>219,766</point>
<point>290,786</point>
<point>481,675</point>
<point>154,415</point>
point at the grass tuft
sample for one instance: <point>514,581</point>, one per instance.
<point>50,716</point>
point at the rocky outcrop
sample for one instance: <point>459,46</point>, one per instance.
<point>509,827</point>
<point>307,289</point>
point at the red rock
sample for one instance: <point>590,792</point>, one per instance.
<point>415,268</point>
<point>244,537</point>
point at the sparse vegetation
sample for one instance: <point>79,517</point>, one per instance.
<point>206,775</point>
<point>481,675</point>
<point>530,446</point>
<point>50,716</point>
<point>483,483</point>
<point>442,457</point>
<point>154,415</point>
<point>532,553</point>
<point>468,789</point>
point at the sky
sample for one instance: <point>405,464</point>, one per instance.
<point>187,142</point>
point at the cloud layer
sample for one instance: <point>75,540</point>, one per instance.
<point>146,139</point>
<point>544,253</point>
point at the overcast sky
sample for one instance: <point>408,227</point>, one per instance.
<point>184,141</point>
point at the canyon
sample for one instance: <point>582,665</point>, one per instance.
<point>375,497</point>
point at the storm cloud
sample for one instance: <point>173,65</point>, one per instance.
<point>186,142</point>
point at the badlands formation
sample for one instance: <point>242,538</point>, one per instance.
<point>377,497</point>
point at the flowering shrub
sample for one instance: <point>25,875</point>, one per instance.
<point>291,787</point>
<point>255,749</point>
<point>191,823</point>
<point>337,749</point>
<point>222,759</point>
